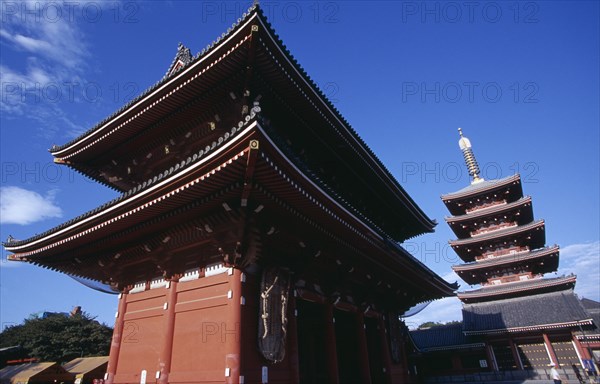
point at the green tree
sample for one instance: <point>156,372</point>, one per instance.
<point>430,324</point>
<point>59,337</point>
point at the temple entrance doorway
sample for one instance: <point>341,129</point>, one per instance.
<point>375,349</point>
<point>346,342</point>
<point>311,343</point>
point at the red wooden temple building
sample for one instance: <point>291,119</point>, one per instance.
<point>256,237</point>
<point>517,320</point>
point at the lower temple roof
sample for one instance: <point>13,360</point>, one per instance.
<point>542,311</point>
<point>518,288</point>
<point>444,337</point>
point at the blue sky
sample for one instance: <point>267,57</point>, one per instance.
<point>520,78</point>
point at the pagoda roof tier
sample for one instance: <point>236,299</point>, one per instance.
<point>247,64</point>
<point>243,199</point>
<point>508,188</point>
<point>545,311</point>
<point>537,262</point>
<point>520,211</point>
<point>530,235</point>
<point>517,289</point>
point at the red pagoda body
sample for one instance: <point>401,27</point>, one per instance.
<point>256,237</point>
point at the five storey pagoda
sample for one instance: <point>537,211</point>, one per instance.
<point>525,320</point>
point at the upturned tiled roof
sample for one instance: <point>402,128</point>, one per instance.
<point>482,186</point>
<point>444,337</point>
<point>515,286</point>
<point>507,259</point>
<point>85,364</point>
<point>191,160</point>
<point>542,311</point>
<point>593,308</point>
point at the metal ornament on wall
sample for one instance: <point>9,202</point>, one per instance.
<point>272,321</point>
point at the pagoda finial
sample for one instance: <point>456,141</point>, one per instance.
<point>472,166</point>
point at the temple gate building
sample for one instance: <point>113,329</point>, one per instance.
<point>517,320</point>
<point>256,236</point>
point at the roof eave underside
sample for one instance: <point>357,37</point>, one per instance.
<point>133,195</point>
<point>443,288</point>
<point>545,283</point>
<point>487,212</point>
<point>146,97</point>
<point>498,234</point>
<point>530,328</point>
<point>508,259</point>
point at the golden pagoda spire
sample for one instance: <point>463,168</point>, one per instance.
<point>472,166</point>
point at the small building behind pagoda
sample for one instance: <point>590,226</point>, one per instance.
<point>87,370</point>
<point>518,321</point>
<point>257,236</point>
<point>35,373</point>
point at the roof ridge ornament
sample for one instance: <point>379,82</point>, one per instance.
<point>182,58</point>
<point>465,146</point>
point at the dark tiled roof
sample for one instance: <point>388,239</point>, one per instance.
<point>593,308</point>
<point>506,259</point>
<point>85,364</point>
<point>208,49</point>
<point>590,305</point>
<point>489,210</point>
<point>517,286</point>
<point>23,372</point>
<point>442,337</point>
<point>546,310</point>
<point>498,233</point>
<point>481,186</point>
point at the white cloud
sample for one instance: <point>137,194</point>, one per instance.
<point>22,206</point>
<point>29,93</point>
<point>584,261</point>
<point>441,311</point>
<point>47,39</point>
<point>49,35</point>
<point>29,43</point>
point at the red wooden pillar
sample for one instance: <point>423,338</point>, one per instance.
<point>515,354</point>
<point>363,350</point>
<point>404,353</point>
<point>232,329</point>
<point>385,350</point>
<point>115,345</point>
<point>456,363</point>
<point>489,351</point>
<point>332,361</point>
<point>164,364</point>
<point>583,351</point>
<point>550,350</point>
<point>293,340</point>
